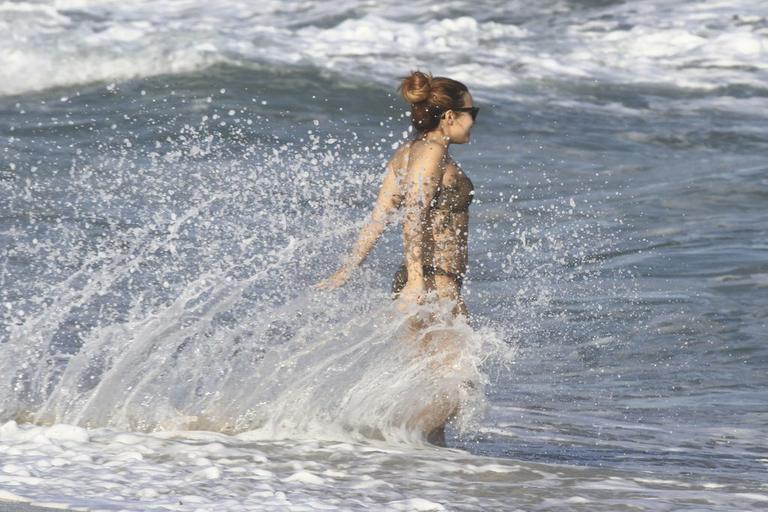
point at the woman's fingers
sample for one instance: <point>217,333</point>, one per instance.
<point>334,281</point>
<point>326,284</point>
<point>412,294</point>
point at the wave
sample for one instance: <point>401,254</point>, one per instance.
<point>694,45</point>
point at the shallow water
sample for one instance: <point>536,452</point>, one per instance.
<point>173,181</point>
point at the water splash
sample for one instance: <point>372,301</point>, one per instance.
<point>171,293</point>
<point>159,277</point>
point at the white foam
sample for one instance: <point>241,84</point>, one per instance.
<point>234,475</point>
<point>418,504</point>
<point>305,477</point>
<point>205,470</point>
<point>701,45</point>
<point>753,496</point>
<point>66,433</point>
<point>9,496</point>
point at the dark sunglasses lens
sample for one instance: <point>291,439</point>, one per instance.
<point>471,110</point>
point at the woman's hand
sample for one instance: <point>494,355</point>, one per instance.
<point>414,291</point>
<point>336,280</point>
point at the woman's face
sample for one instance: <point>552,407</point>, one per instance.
<point>460,123</point>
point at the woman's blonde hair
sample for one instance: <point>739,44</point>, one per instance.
<point>430,97</point>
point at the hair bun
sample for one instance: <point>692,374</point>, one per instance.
<point>416,87</point>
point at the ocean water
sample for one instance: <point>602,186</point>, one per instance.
<point>175,175</point>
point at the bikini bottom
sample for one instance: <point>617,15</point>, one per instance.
<point>401,276</point>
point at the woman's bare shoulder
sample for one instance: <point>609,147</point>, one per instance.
<point>398,159</point>
<point>427,153</point>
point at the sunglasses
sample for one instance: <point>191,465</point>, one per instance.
<point>472,111</point>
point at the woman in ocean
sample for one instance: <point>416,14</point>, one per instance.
<point>423,178</point>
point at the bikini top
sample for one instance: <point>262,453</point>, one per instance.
<point>454,194</point>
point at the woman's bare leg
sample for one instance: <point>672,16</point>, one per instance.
<point>449,288</point>
<point>443,348</point>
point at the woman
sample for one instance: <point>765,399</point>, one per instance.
<point>423,178</point>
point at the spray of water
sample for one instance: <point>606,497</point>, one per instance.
<point>170,291</point>
<point>160,280</point>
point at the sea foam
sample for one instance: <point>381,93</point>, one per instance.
<point>697,45</point>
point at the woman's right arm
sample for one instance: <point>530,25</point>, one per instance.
<point>425,173</point>
<point>387,201</point>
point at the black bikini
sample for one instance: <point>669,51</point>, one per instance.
<point>401,277</point>
<point>444,202</point>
